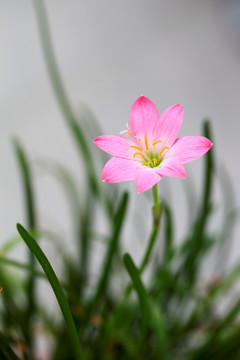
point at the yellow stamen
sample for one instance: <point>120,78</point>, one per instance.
<point>155,142</point>
<point>155,160</point>
<point>165,147</point>
<point>136,147</point>
<point>138,153</point>
<point>146,163</point>
<point>146,143</point>
<point>139,140</point>
<point>128,133</point>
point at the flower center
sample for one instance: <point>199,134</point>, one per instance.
<point>150,155</point>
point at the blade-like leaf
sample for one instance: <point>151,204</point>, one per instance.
<point>106,271</point>
<point>55,284</point>
<point>151,314</point>
<point>31,224</point>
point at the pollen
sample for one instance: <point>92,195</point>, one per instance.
<point>136,147</point>
<point>146,143</point>
<point>138,153</point>
<point>156,142</point>
<point>146,163</point>
<point>155,160</point>
<point>165,147</point>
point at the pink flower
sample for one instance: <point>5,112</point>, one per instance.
<point>154,149</point>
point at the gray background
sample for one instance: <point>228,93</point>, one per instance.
<point>109,53</point>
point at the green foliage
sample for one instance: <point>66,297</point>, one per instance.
<point>172,315</point>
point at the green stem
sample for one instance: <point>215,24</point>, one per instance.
<point>55,284</point>
<point>155,194</point>
<point>156,211</point>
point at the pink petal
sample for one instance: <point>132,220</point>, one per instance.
<point>114,145</point>
<point>146,178</point>
<point>169,124</point>
<point>143,117</point>
<point>172,167</point>
<point>189,148</point>
<point>117,169</point>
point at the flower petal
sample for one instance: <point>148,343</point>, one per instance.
<point>114,145</point>
<point>169,124</point>
<point>189,148</point>
<point>118,169</point>
<point>143,117</point>
<point>172,167</point>
<point>146,178</point>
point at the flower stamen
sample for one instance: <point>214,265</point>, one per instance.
<point>128,133</point>
<point>165,147</point>
<point>136,147</point>
<point>155,160</point>
<point>146,143</point>
<point>138,153</point>
<point>155,142</point>
<point>146,163</point>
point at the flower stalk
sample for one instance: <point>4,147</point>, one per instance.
<point>157,212</point>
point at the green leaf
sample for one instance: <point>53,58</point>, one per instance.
<point>106,270</point>
<point>31,224</point>
<point>169,228</point>
<point>190,265</point>
<point>13,263</point>
<point>150,311</point>
<point>55,284</point>
<point>61,94</point>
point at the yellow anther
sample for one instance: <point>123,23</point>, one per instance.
<point>155,142</point>
<point>146,143</point>
<point>136,147</point>
<point>128,133</point>
<point>146,163</point>
<point>138,153</point>
<point>155,160</point>
<point>165,147</point>
<point>139,140</point>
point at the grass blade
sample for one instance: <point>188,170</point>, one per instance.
<point>13,263</point>
<point>31,224</point>
<point>191,262</point>
<point>169,229</point>
<point>118,223</point>
<point>151,314</point>
<point>55,284</point>
<point>60,93</point>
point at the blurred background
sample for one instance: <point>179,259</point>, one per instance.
<point>109,53</point>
